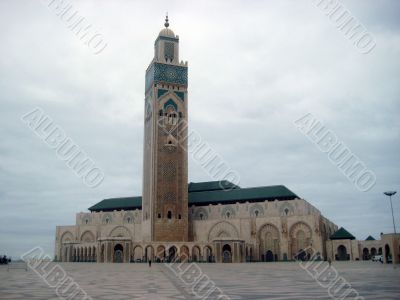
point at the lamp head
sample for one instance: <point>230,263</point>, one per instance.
<point>390,193</point>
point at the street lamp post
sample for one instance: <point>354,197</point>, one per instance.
<point>390,194</point>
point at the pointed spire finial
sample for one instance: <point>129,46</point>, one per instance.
<point>166,21</point>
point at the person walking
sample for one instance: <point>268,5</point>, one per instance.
<point>149,263</point>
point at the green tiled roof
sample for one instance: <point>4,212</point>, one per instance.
<point>255,194</point>
<point>211,186</point>
<point>342,234</point>
<point>126,203</point>
<point>204,193</point>
<point>370,238</point>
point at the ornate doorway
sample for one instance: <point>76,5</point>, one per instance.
<point>301,255</point>
<point>226,254</point>
<point>172,253</point>
<point>269,256</point>
<point>342,253</point>
<point>118,253</point>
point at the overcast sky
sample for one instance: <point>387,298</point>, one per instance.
<point>254,68</point>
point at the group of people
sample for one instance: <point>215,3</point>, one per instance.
<point>4,260</point>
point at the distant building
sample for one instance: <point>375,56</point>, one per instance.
<point>342,245</point>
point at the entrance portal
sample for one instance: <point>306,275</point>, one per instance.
<point>172,252</point>
<point>118,253</point>
<point>269,256</point>
<point>226,254</point>
<point>301,255</point>
<point>342,253</point>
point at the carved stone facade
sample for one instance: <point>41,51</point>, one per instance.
<point>223,233</point>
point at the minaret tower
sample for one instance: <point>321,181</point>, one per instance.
<point>165,163</point>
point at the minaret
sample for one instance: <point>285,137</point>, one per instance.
<point>165,163</point>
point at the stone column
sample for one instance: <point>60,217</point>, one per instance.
<point>108,252</point>
<point>127,253</point>
<point>235,254</point>
<point>98,252</point>
<point>71,253</point>
<point>217,253</point>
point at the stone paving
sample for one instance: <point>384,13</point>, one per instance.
<point>238,281</point>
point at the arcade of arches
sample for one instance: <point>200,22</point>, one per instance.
<point>224,246</point>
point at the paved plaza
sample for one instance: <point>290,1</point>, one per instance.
<point>238,281</point>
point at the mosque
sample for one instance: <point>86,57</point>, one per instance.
<point>216,221</point>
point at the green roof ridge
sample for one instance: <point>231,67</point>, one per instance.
<point>206,193</point>
<point>342,234</point>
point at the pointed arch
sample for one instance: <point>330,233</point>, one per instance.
<point>184,253</point>
<point>120,231</point>
<point>138,253</point>
<point>228,212</point>
<point>196,253</point>
<point>300,235</point>
<point>107,219</point>
<point>172,103</point>
<point>129,218</point>
<point>201,214</point>
<point>67,237</point>
<point>87,237</point>
<point>268,237</point>
<point>225,228</point>
<point>256,210</point>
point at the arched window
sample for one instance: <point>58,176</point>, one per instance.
<point>201,216</point>
<point>228,214</point>
<point>169,214</point>
<point>159,216</point>
<point>107,219</point>
<point>256,213</point>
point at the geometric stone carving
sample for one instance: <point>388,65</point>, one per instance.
<point>228,212</point>
<point>128,218</point>
<point>107,219</point>
<point>286,209</point>
<point>86,219</point>
<point>120,231</point>
<point>201,214</point>
<point>300,226</point>
<point>256,210</point>
<point>269,240</point>
<point>67,237</point>
<point>168,171</point>
<point>169,197</point>
<point>87,237</point>
<point>223,230</point>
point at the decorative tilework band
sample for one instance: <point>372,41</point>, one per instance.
<point>165,73</point>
